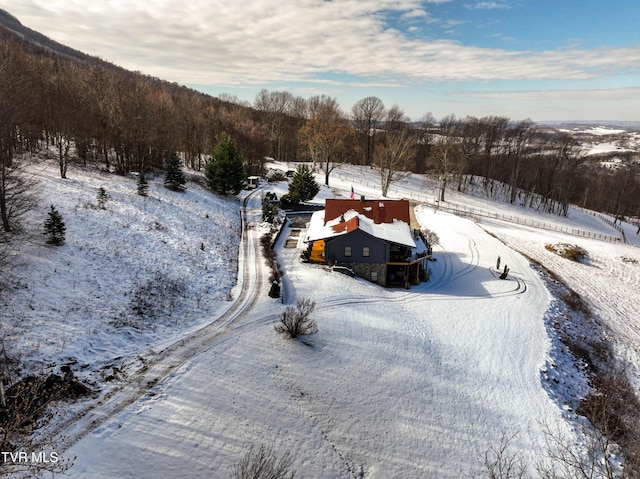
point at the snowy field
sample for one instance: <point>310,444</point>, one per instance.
<point>397,383</point>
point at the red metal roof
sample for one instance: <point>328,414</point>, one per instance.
<point>346,226</point>
<point>380,211</point>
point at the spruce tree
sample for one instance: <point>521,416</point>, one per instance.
<point>143,185</point>
<point>103,197</point>
<point>54,227</point>
<point>174,178</point>
<point>225,172</point>
<point>303,185</point>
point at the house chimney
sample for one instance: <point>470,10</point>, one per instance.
<point>362,198</point>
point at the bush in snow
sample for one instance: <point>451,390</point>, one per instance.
<point>153,302</point>
<point>431,237</point>
<point>569,251</point>
<point>25,408</point>
<point>500,461</point>
<point>274,291</point>
<point>289,199</point>
<point>275,176</point>
<point>269,210</point>
<point>270,256</point>
<point>296,321</point>
<point>54,227</point>
<point>143,185</point>
<point>264,464</point>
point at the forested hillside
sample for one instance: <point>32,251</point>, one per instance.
<point>95,113</point>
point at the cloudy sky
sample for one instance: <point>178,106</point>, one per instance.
<point>538,59</point>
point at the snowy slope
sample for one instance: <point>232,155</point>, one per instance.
<point>396,383</point>
<point>80,303</point>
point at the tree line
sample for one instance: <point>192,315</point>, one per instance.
<point>96,113</point>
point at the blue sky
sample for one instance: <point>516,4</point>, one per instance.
<point>540,59</point>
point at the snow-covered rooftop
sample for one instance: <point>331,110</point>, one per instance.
<point>397,232</point>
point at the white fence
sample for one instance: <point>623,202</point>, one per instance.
<point>431,200</point>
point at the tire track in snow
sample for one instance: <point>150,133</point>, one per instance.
<point>470,266</point>
<point>71,429</point>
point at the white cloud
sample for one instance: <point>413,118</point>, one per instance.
<point>418,13</point>
<point>594,95</point>
<point>487,5</point>
<point>262,42</point>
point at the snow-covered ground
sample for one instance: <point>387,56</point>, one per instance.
<point>397,383</point>
<point>600,148</point>
<point>104,295</point>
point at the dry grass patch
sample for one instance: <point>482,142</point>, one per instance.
<point>569,251</point>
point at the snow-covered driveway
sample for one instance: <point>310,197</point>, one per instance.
<point>396,383</point>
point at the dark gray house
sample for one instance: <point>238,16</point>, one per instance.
<point>368,239</point>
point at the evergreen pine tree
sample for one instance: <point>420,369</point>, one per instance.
<point>174,178</point>
<point>269,210</point>
<point>303,185</point>
<point>54,227</point>
<point>143,185</point>
<point>103,197</point>
<point>225,172</point>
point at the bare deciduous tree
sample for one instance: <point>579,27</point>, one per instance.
<point>367,115</point>
<point>18,193</point>
<point>274,106</point>
<point>264,464</point>
<point>326,133</point>
<point>446,159</point>
<point>392,157</point>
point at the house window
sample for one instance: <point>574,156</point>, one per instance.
<point>347,251</point>
<point>365,251</point>
<point>374,276</point>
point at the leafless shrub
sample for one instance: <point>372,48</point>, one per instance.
<point>296,321</point>
<point>264,464</point>
<point>575,302</point>
<point>24,410</point>
<point>430,236</point>
<point>276,176</point>
<point>501,463</point>
<point>613,410</point>
<point>157,296</point>
<point>628,260</point>
<point>595,457</point>
<point>270,257</point>
<point>26,452</point>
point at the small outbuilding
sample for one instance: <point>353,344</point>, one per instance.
<point>252,182</point>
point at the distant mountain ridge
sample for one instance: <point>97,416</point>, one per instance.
<point>590,123</point>
<point>10,27</point>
